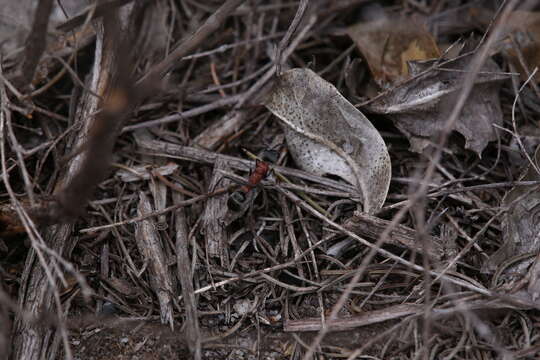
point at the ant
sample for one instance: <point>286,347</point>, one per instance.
<point>262,169</point>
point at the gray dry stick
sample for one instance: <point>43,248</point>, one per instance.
<point>184,274</point>
<point>215,212</point>
<point>175,151</point>
<point>150,246</point>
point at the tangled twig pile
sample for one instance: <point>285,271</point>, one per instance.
<point>129,129</point>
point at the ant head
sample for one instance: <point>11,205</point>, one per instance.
<point>270,156</point>
<point>236,201</point>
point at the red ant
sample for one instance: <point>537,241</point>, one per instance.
<point>261,171</point>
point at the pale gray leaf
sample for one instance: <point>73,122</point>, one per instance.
<point>326,134</point>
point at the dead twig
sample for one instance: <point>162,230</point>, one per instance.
<point>35,43</point>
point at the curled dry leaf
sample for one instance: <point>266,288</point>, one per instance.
<point>420,107</point>
<point>521,229</point>
<point>524,29</point>
<point>326,134</point>
<point>388,44</point>
<point>520,38</point>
